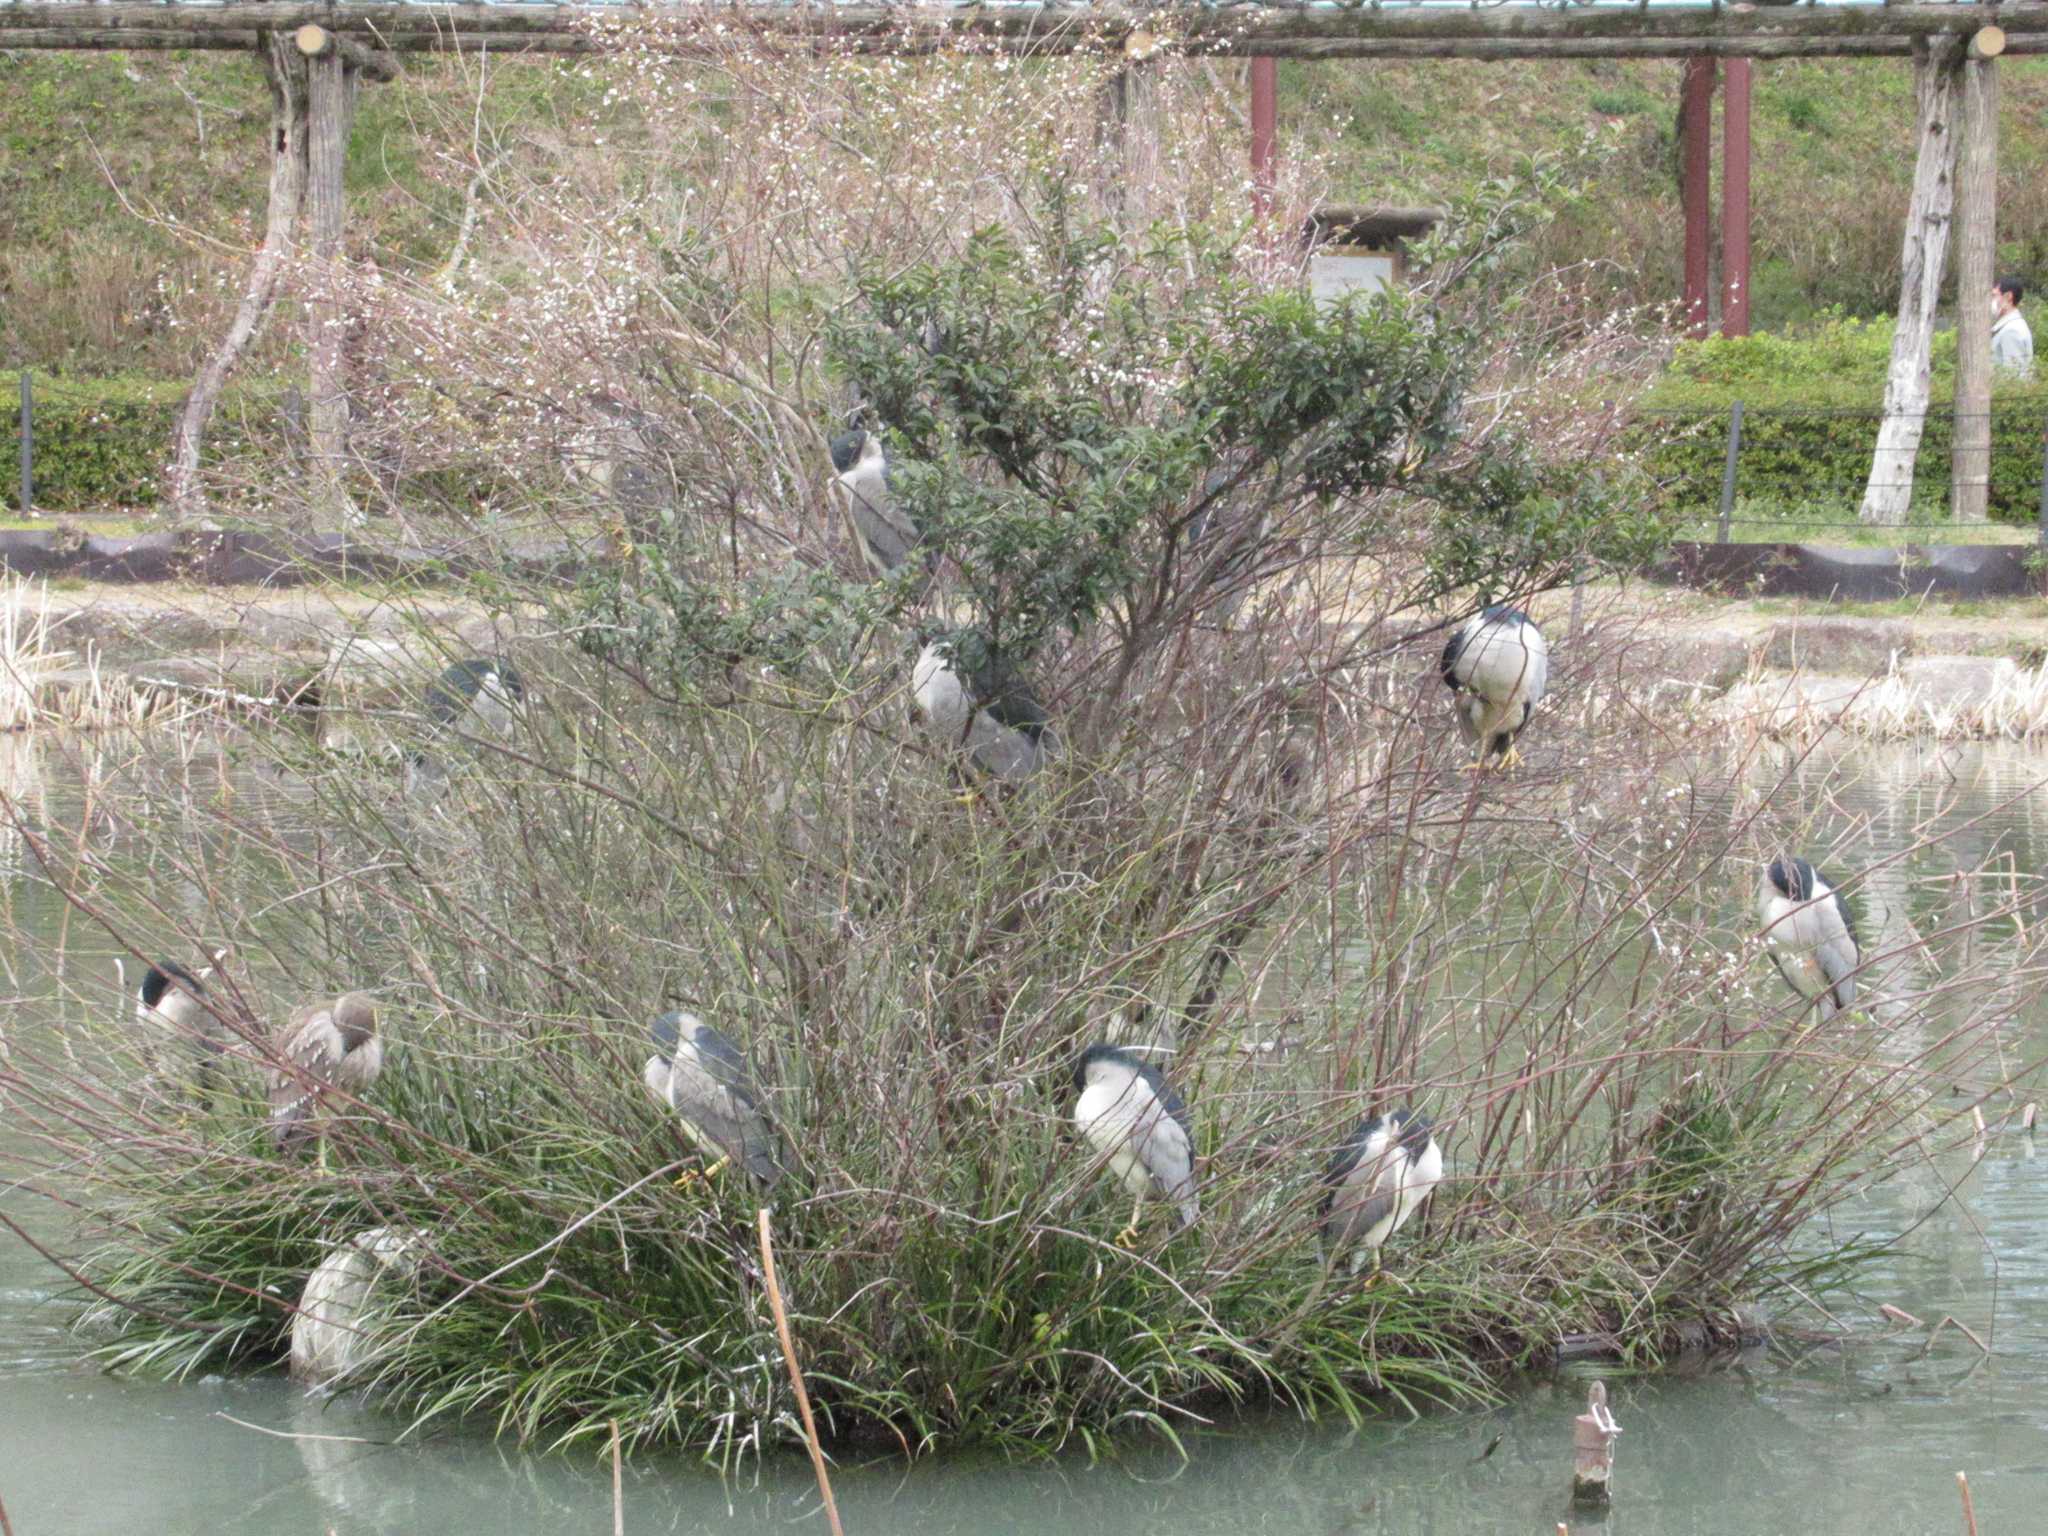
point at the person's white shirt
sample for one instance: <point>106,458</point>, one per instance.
<point>2012,343</point>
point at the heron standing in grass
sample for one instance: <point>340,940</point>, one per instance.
<point>325,1049</point>
<point>176,1023</point>
<point>887,536</point>
<point>983,705</point>
<point>479,696</point>
<point>1128,1114</point>
<point>703,1079</point>
<point>1496,666</point>
<point>1379,1178</point>
<point>1808,935</point>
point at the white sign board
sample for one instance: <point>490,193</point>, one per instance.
<point>1332,274</point>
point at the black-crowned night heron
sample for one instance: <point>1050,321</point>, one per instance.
<point>1496,666</point>
<point>324,1050</point>
<point>480,697</point>
<point>1808,934</point>
<point>1128,1115</point>
<point>1379,1178</point>
<point>176,1026</point>
<point>888,538</point>
<point>334,1330</point>
<point>702,1077</point>
<point>986,708</point>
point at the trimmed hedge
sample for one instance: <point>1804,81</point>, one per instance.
<point>103,443</point>
<point>1810,411</point>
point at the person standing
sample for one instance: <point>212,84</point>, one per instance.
<point>2012,344</point>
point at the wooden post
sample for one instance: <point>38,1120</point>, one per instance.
<point>1593,1435</point>
<point>1728,469</point>
<point>1888,494</point>
<point>285,70</point>
<point>28,442</point>
<point>1265,133</point>
<point>1976,241</point>
<point>1695,118</point>
<point>1735,95</point>
<point>330,107</point>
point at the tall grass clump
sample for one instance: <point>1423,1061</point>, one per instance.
<point>1219,532</point>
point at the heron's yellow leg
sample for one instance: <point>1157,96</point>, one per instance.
<point>693,1176</point>
<point>1129,1236</point>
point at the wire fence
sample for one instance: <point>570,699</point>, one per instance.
<point>1738,474</point>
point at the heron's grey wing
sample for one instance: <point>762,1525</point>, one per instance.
<point>883,525</point>
<point>712,1089</point>
<point>1838,960</point>
<point>1168,1153</point>
<point>1367,1192</point>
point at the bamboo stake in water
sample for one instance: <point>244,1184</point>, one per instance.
<point>6,1528</point>
<point>618,1493</point>
<point>796,1377</point>
<point>1969,1509</point>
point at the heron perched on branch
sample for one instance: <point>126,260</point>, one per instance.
<point>1496,666</point>
<point>324,1050</point>
<point>1808,934</point>
<point>983,704</point>
<point>1379,1178</point>
<point>703,1079</point>
<point>888,537</point>
<point>1129,1115</point>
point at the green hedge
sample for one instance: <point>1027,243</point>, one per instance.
<point>1811,407</point>
<point>103,443</point>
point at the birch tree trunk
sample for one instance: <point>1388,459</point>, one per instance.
<point>1888,495</point>
<point>1976,240</point>
<point>285,71</point>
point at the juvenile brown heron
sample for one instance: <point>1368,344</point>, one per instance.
<point>325,1050</point>
<point>1379,1178</point>
<point>1496,666</point>
<point>703,1079</point>
<point>1129,1115</point>
<point>1808,935</point>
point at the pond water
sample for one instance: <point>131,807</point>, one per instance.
<point>1868,1436</point>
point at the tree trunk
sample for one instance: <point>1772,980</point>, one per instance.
<point>1976,238</point>
<point>330,93</point>
<point>1888,496</point>
<point>286,73</point>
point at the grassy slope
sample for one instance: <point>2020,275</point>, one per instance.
<point>87,284</point>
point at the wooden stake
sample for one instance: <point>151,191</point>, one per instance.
<point>2027,1118</point>
<point>1593,1435</point>
<point>1969,1509</point>
<point>330,99</point>
<point>618,1489</point>
<point>6,1527</point>
<point>796,1376</point>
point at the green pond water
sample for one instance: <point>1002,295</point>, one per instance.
<point>1863,1438</point>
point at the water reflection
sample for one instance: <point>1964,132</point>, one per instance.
<point>1831,1438</point>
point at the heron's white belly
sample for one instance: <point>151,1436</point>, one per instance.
<point>1113,1127</point>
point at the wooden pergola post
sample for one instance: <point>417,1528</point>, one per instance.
<point>1888,495</point>
<point>330,109</point>
<point>1735,93</point>
<point>1265,133</point>
<point>1976,244</point>
<point>1695,148</point>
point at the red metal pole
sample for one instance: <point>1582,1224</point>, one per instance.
<point>1696,114</point>
<point>1265,133</point>
<point>1735,199</point>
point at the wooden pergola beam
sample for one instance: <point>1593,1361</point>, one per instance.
<point>1269,30</point>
